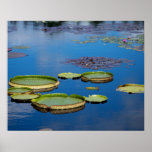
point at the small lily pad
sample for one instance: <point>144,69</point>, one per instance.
<point>16,90</point>
<point>24,97</point>
<point>59,101</point>
<point>20,47</point>
<point>69,75</point>
<point>96,98</point>
<point>97,77</point>
<point>131,88</point>
<point>92,88</point>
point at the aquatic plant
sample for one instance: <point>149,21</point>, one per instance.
<point>17,90</point>
<point>59,101</point>
<point>16,55</point>
<point>38,83</point>
<point>69,75</point>
<point>20,47</point>
<point>131,88</point>
<point>97,77</point>
<point>96,98</point>
<point>96,63</point>
<point>24,97</point>
<point>92,88</point>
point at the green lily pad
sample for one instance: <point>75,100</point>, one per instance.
<point>69,75</point>
<point>35,82</point>
<point>96,98</point>
<point>97,77</point>
<point>131,88</point>
<point>24,97</point>
<point>15,90</point>
<point>92,88</point>
<point>59,101</point>
<point>20,47</point>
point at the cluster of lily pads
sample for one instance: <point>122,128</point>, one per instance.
<point>24,88</point>
<point>96,63</point>
<point>16,54</point>
<point>134,43</point>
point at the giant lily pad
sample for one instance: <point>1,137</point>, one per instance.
<point>58,111</point>
<point>24,97</point>
<point>59,101</point>
<point>15,90</point>
<point>96,98</point>
<point>131,88</point>
<point>35,82</point>
<point>97,77</point>
<point>69,75</point>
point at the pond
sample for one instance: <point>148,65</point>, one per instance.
<point>48,46</point>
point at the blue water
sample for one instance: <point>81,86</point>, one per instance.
<point>46,54</point>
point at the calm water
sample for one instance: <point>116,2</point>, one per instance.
<point>46,54</point>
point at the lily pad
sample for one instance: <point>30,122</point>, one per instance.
<point>24,97</point>
<point>59,101</point>
<point>35,82</point>
<point>96,98</point>
<point>58,111</point>
<point>15,90</point>
<point>69,75</point>
<point>131,88</point>
<point>20,47</point>
<point>96,63</point>
<point>16,55</point>
<point>92,88</point>
<point>97,77</point>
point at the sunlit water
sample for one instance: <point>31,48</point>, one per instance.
<point>46,54</point>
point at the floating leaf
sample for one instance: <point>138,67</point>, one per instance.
<point>20,47</point>
<point>59,101</point>
<point>96,63</point>
<point>69,75</point>
<point>131,88</point>
<point>97,77</point>
<point>35,82</point>
<point>15,90</point>
<point>24,97</point>
<point>96,98</point>
<point>16,55</point>
<point>92,88</point>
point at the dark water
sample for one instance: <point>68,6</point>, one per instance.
<point>46,54</point>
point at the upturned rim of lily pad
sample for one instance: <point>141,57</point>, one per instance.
<point>69,75</point>
<point>58,111</point>
<point>27,90</point>
<point>92,98</point>
<point>59,107</point>
<point>35,88</point>
<point>28,97</point>
<point>97,80</point>
<point>128,91</point>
